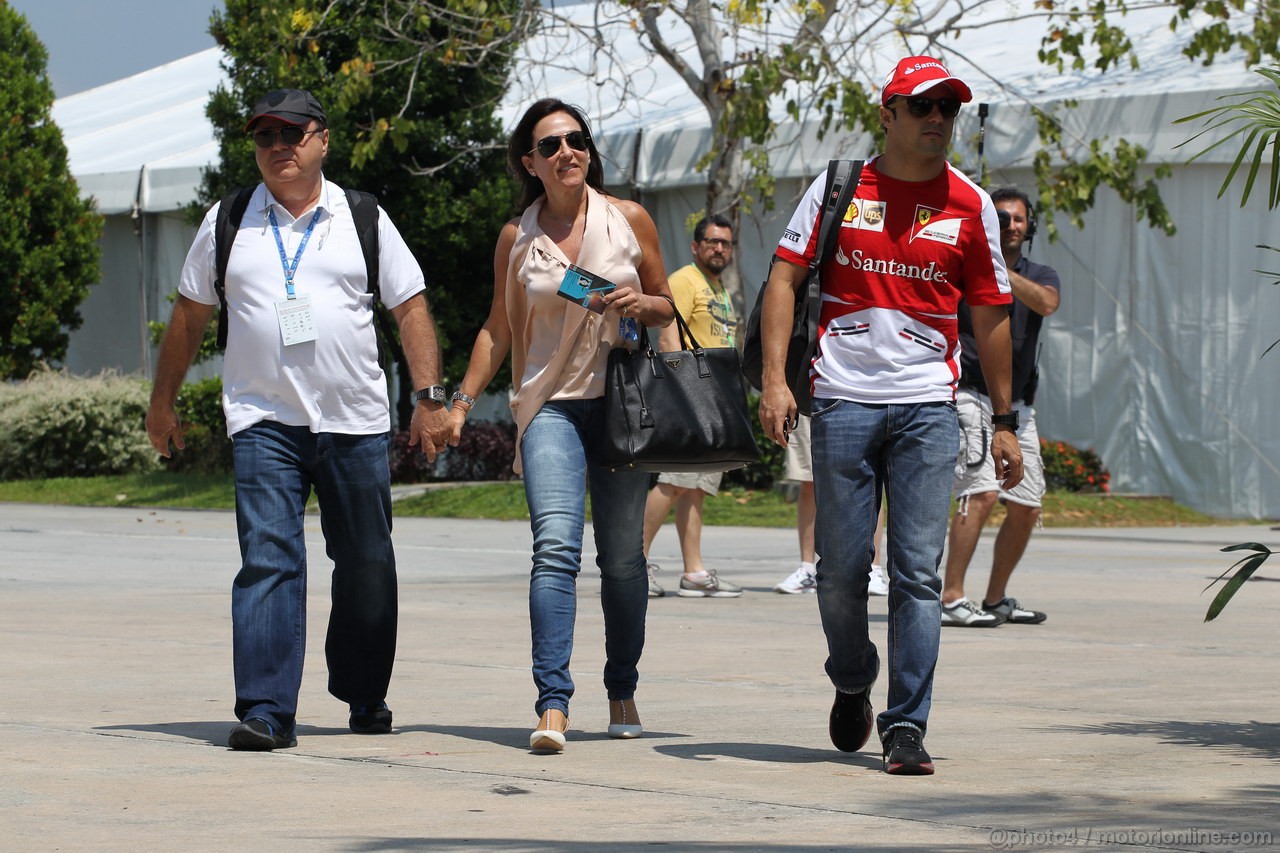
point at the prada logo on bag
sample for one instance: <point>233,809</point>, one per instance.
<point>673,363</point>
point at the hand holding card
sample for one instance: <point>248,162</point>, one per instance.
<point>585,288</point>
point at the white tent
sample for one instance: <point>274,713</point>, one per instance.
<point>138,146</point>
<point>1153,359</point>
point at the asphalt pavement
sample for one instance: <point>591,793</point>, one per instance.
<point>1124,722</point>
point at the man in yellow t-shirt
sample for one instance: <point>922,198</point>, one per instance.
<point>706,307</point>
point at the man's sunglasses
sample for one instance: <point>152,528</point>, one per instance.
<point>548,145</point>
<point>921,107</point>
<point>289,135</point>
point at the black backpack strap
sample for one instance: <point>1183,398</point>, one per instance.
<point>364,212</point>
<point>842,180</point>
<point>230,214</point>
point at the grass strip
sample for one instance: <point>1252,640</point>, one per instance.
<point>505,502</point>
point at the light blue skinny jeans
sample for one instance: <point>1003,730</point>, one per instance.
<point>555,450</point>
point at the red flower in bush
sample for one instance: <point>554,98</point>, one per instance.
<point>1068,468</point>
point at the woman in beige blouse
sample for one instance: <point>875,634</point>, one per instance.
<point>558,354</point>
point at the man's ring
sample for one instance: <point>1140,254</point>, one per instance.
<point>626,309</point>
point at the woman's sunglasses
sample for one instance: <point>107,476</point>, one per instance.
<point>548,145</point>
<point>920,106</point>
<point>289,135</point>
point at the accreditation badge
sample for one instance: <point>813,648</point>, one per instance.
<point>296,324</point>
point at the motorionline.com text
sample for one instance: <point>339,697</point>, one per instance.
<point>1014,839</point>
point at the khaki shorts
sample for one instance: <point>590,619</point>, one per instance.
<point>975,469</point>
<point>709,483</point>
<point>799,456</point>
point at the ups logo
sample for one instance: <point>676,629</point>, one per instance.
<point>873,215</point>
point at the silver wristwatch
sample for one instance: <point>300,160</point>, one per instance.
<point>434,394</point>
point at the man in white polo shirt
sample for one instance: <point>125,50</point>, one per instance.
<point>306,407</point>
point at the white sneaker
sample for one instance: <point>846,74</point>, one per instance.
<point>969,615</point>
<point>878,584</point>
<point>801,580</point>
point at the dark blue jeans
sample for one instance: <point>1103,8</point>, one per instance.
<point>276,466</point>
<point>557,473</point>
<point>910,450</point>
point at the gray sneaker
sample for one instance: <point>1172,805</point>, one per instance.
<point>708,587</point>
<point>655,588</point>
<point>969,615</point>
<point>1012,611</point>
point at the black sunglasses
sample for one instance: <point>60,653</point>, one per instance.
<point>921,107</point>
<point>289,135</point>
<point>548,145</point>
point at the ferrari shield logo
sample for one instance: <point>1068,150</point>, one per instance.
<point>938,225</point>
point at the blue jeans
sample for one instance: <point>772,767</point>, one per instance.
<point>557,473</point>
<point>276,467</point>
<point>910,450</point>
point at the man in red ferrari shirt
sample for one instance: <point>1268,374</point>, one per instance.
<point>918,237</point>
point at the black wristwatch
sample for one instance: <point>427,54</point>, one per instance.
<point>1009,419</point>
<point>434,393</point>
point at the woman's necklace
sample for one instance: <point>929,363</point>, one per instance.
<point>566,227</point>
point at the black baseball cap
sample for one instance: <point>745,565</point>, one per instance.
<point>295,106</point>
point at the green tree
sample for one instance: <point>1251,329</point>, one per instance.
<point>403,125</point>
<point>48,235</point>
<point>746,61</point>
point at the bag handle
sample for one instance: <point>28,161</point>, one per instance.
<point>687,340</point>
<point>653,359</point>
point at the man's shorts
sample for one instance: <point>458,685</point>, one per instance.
<point>975,469</point>
<point>709,483</point>
<point>799,456</point>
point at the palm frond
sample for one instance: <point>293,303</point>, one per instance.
<point>1245,568</point>
<point>1257,119</point>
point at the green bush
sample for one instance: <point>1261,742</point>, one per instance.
<point>58,425</point>
<point>204,430</point>
<point>1070,469</point>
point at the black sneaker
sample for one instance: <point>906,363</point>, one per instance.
<point>904,753</point>
<point>257,735</point>
<point>371,719</point>
<point>851,720</point>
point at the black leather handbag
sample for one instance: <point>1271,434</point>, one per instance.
<point>675,411</point>
<point>842,181</point>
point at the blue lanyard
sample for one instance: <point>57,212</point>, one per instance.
<point>290,269</point>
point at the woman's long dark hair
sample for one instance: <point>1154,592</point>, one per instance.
<point>522,142</point>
